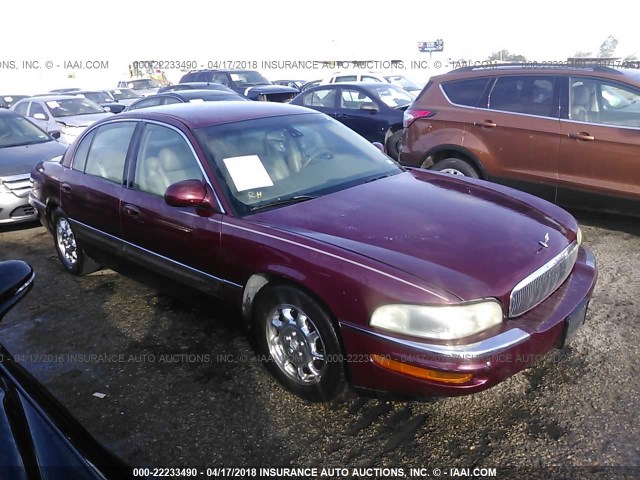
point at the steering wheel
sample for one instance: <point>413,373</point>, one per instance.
<point>323,154</point>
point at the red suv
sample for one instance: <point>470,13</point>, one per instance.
<point>568,134</point>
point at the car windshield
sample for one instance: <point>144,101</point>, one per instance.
<point>248,77</point>
<point>68,107</point>
<point>393,96</point>
<point>98,97</point>
<point>16,130</point>
<point>278,160</point>
<point>142,84</point>
<point>124,94</point>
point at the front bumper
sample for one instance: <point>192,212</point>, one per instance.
<point>16,209</point>
<point>521,342</point>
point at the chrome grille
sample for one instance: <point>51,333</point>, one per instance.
<point>543,282</point>
<point>20,185</point>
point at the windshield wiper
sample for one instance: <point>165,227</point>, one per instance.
<point>378,177</point>
<point>284,201</point>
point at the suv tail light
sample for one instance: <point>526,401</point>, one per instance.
<point>411,116</point>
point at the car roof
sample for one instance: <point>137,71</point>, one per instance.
<point>538,69</point>
<point>195,93</point>
<point>53,97</point>
<point>197,115</point>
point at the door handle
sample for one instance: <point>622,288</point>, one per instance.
<point>131,210</point>
<point>65,187</point>
<point>582,136</point>
<point>485,123</point>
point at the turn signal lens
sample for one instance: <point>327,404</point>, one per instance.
<point>423,373</point>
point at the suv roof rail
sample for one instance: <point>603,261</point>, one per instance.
<point>596,66</point>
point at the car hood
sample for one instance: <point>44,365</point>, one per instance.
<point>459,235</point>
<point>83,120</point>
<point>22,159</point>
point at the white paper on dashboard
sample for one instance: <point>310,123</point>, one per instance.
<point>247,172</point>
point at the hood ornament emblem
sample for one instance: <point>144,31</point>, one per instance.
<point>545,242</point>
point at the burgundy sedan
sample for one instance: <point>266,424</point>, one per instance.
<point>346,267</point>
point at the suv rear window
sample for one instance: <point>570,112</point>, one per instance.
<point>465,92</point>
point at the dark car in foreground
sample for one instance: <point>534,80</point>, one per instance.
<point>186,96</point>
<point>343,264</point>
<point>22,145</point>
<point>247,83</point>
<point>569,134</point>
<point>39,437</point>
<point>374,110</point>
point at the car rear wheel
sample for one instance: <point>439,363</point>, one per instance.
<point>70,253</point>
<point>298,343</point>
<point>392,145</point>
<point>456,166</point>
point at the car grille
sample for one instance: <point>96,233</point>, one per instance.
<point>543,282</point>
<point>20,185</point>
<point>23,211</point>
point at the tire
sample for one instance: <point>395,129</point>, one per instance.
<point>298,344</point>
<point>392,145</point>
<point>71,255</point>
<point>456,166</point>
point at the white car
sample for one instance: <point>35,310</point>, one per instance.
<point>66,114</point>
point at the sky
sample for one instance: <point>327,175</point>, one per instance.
<point>120,32</point>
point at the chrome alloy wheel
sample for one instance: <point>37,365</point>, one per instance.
<point>295,344</point>
<point>452,171</point>
<point>66,242</point>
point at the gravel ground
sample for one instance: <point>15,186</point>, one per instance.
<point>183,388</point>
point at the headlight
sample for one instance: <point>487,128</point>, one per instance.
<point>579,236</point>
<point>71,131</point>
<point>439,322</point>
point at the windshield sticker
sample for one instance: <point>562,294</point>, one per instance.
<point>53,104</point>
<point>117,92</point>
<point>196,100</point>
<point>235,77</point>
<point>8,99</point>
<point>248,172</point>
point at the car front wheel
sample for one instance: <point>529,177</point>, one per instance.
<point>71,255</point>
<point>456,166</point>
<point>298,343</point>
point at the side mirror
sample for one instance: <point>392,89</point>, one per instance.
<point>379,146</point>
<point>55,134</point>
<point>369,107</point>
<point>39,116</point>
<point>16,279</point>
<point>187,193</point>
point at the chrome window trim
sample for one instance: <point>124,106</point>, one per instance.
<point>483,348</point>
<point>568,251</point>
<point>596,124</point>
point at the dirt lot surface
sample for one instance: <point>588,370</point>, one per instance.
<point>183,388</point>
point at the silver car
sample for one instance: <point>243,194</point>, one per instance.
<point>125,96</point>
<point>66,114</point>
<point>142,86</point>
<point>22,145</point>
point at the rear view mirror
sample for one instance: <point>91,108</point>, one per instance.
<point>55,134</point>
<point>39,116</point>
<point>16,279</point>
<point>379,146</point>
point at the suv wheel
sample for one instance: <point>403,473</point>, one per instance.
<point>456,166</point>
<point>393,143</point>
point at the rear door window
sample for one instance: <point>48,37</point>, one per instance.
<point>108,151</point>
<point>466,92</point>
<point>325,97</point>
<point>532,95</point>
